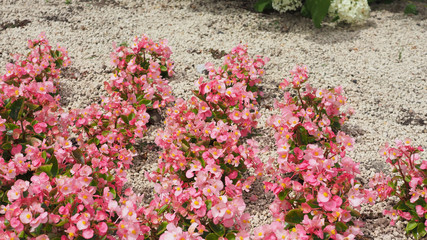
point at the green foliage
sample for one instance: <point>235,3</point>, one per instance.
<point>316,10</point>
<point>263,5</point>
<point>294,216</point>
<point>411,9</point>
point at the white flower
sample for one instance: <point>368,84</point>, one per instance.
<point>286,5</point>
<point>350,11</point>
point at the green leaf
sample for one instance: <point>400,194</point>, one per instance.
<point>125,119</point>
<point>163,208</point>
<point>113,191</point>
<point>411,9</point>
<point>78,155</point>
<point>218,229</point>
<point>294,216</point>
<point>212,236</point>
<point>341,227</point>
<point>163,68</point>
<point>131,116</point>
<point>11,126</point>
<point>401,206</point>
<point>411,225</point>
<point>62,222</point>
<point>230,236</point>
<point>54,170</point>
<point>202,161</point>
<point>313,203</point>
<point>282,195</point>
<point>6,146</point>
<point>421,231</point>
<point>262,5</point>
<point>146,102</point>
<point>47,168</point>
<point>208,204</point>
<point>33,106</point>
<point>16,109</point>
<point>110,178</point>
<point>123,44</point>
<point>21,234</point>
<point>162,228</point>
<point>317,10</point>
<point>59,63</point>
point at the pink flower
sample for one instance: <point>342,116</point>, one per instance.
<point>2,125</point>
<point>25,217</point>
<point>197,203</point>
<point>88,233</point>
<point>83,224</point>
<point>40,127</point>
<point>324,195</point>
<point>420,210</point>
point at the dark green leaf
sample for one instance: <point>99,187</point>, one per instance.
<point>162,228</point>
<point>125,119</point>
<point>262,5</point>
<point>411,9</point>
<point>16,109</point>
<point>341,227</point>
<point>33,106</point>
<point>294,216</point>
<point>317,10</point>
<point>6,146</point>
<point>217,229</point>
<point>401,206</point>
<point>421,231</point>
<point>78,155</point>
<point>313,203</point>
<point>54,169</point>
<point>163,68</point>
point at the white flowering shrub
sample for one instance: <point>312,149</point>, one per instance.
<point>349,11</point>
<point>286,5</point>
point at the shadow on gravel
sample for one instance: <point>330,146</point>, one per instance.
<point>399,7</point>
<point>14,24</point>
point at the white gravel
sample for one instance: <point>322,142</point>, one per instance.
<point>382,65</point>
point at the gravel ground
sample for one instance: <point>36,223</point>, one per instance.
<point>381,65</point>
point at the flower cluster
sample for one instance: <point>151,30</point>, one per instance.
<point>202,170</point>
<point>286,5</point>
<point>140,72</point>
<point>312,178</point>
<point>232,91</point>
<point>409,184</point>
<point>350,11</point>
<point>28,108</point>
<point>62,173</point>
<point>52,186</point>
